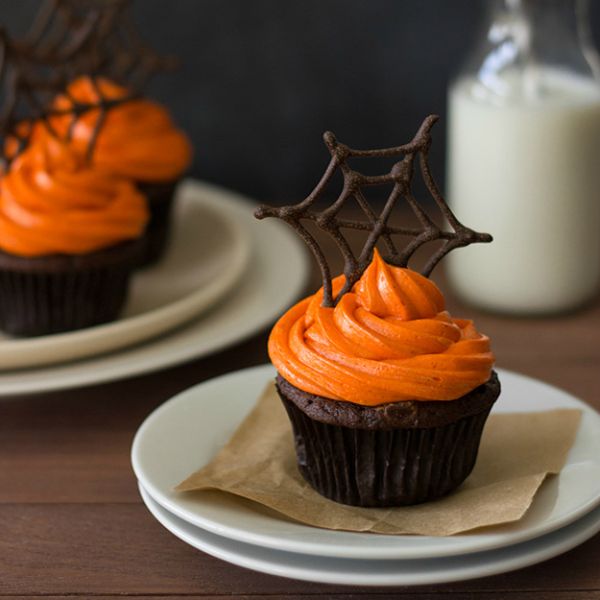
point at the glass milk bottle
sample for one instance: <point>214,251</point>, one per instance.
<point>524,159</point>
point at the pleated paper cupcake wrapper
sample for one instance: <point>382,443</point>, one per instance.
<point>34,303</point>
<point>381,467</point>
<point>160,197</point>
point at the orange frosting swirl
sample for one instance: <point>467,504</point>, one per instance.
<point>137,138</point>
<point>66,207</point>
<point>387,340</point>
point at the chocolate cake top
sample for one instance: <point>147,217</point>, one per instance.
<point>395,415</point>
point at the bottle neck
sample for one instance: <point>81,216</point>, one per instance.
<point>530,50</point>
<point>565,12</point>
<point>554,33</point>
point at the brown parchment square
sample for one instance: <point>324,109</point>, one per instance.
<point>518,451</point>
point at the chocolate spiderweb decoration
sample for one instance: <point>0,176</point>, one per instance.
<point>67,39</point>
<point>129,58</point>
<point>37,68</point>
<point>64,29</point>
<point>96,38</point>
<point>109,46</point>
<point>400,176</point>
<point>25,95</point>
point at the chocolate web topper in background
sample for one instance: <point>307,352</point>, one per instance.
<point>38,67</point>
<point>27,89</point>
<point>401,177</point>
<point>68,39</point>
<point>114,49</point>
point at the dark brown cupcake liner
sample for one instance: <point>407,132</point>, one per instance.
<point>379,467</point>
<point>160,197</point>
<point>54,294</point>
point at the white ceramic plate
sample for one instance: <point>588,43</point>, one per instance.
<point>185,433</point>
<point>273,279</point>
<point>348,571</point>
<point>206,256</point>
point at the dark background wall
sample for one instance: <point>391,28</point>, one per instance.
<point>261,80</point>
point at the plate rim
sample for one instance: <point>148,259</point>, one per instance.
<point>561,541</point>
<point>101,338</point>
<point>303,547</point>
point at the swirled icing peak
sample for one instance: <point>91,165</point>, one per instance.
<point>137,138</point>
<point>389,339</point>
<point>65,207</point>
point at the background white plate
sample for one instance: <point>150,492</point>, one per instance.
<point>272,281</point>
<point>185,433</point>
<point>347,571</point>
<point>207,254</point>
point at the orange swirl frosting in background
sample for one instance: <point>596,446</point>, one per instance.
<point>49,207</point>
<point>137,138</point>
<point>387,340</point>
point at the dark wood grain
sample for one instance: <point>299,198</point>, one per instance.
<point>73,446</point>
<point>72,523</point>
<point>417,594</point>
<point>121,549</point>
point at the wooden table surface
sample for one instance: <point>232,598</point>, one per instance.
<point>72,523</point>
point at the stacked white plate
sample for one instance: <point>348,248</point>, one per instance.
<point>188,430</point>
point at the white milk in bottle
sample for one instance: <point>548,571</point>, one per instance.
<point>524,165</point>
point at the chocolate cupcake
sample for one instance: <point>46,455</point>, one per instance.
<point>136,140</point>
<point>387,393</point>
<point>69,239</point>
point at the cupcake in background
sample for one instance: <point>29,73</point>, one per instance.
<point>70,237</point>
<point>134,138</point>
